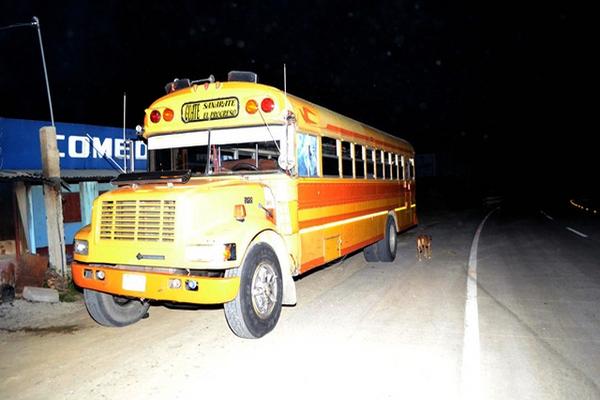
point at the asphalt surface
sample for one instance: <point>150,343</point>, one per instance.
<point>361,330</point>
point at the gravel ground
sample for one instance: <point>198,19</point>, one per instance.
<point>23,315</point>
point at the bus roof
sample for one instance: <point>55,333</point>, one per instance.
<point>224,105</point>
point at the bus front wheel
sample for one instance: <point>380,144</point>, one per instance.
<point>257,307</point>
<point>109,310</point>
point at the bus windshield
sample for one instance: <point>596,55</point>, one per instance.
<point>220,159</point>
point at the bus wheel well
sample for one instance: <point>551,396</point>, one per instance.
<point>274,240</point>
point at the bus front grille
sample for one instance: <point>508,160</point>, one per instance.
<point>138,220</point>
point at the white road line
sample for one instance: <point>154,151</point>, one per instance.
<point>583,235</point>
<point>470,374</point>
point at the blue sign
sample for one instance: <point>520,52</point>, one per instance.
<point>80,146</point>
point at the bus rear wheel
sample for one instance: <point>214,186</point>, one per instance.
<point>114,311</point>
<point>370,253</point>
<point>257,307</point>
<point>386,247</point>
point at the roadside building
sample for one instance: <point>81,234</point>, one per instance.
<point>90,156</point>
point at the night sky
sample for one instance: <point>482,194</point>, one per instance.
<point>497,90</point>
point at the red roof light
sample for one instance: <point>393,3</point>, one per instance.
<point>155,116</point>
<point>267,105</point>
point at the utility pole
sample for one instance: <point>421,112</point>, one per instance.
<point>51,172</point>
<point>36,23</point>
<point>53,200</point>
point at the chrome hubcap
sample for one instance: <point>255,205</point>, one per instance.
<point>392,238</point>
<point>264,290</point>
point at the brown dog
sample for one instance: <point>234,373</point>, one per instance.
<point>423,247</point>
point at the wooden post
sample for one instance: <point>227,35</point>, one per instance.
<point>24,216</point>
<point>53,200</point>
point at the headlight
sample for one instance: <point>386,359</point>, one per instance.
<point>81,247</point>
<point>207,253</point>
<point>211,252</point>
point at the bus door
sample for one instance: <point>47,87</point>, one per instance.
<point>410,188</point>
<point>405,174</point>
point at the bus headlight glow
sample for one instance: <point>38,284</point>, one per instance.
<point>207,253</point>
<point>80,247</point>
<point>216,253</point>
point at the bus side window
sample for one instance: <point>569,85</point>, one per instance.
<point>390,160</point>
<point>412,168</point>
<point>370,164</point>
<point>379,164</point>
<point>359,161</point>
<point>395,166</point>
<point>347,166</point>
<point>307,155</point>
<point>330,157</point>
<point>401,172</point>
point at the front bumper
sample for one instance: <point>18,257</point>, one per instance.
<point>154,285</point>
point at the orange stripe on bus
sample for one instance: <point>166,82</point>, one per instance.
<point>340,217</point>
<point>312,264</point>
<point>311,195</point>
<point>321,260</point>
<point>361,244</point>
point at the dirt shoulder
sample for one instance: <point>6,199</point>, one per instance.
<point>23,315</point>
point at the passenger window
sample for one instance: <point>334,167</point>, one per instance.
<point>390,166</point>
<point>412,168</point>
<point>401,172</point>
<point>370,164</point>
<point>379,164</point>
<point>347,164</point>
<point>330,157</point>
<point>359,161</point>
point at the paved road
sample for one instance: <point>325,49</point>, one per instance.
<point>360,330</point>
<point>539,303</point>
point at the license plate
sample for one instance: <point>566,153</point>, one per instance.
<point>136,283</point>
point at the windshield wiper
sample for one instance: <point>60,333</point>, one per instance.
<point>137,178</point>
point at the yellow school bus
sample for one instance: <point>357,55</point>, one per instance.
<point>247,188</point>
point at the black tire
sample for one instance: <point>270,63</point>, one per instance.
<point>109,310</point>
<point>370,253</point>
<point>252,315</point>
<point>386,247</point>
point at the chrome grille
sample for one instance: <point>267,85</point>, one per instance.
<point>138,220</point>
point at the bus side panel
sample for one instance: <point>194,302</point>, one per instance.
<point>338,217</point>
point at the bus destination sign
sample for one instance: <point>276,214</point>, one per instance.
<point>207,110</point>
